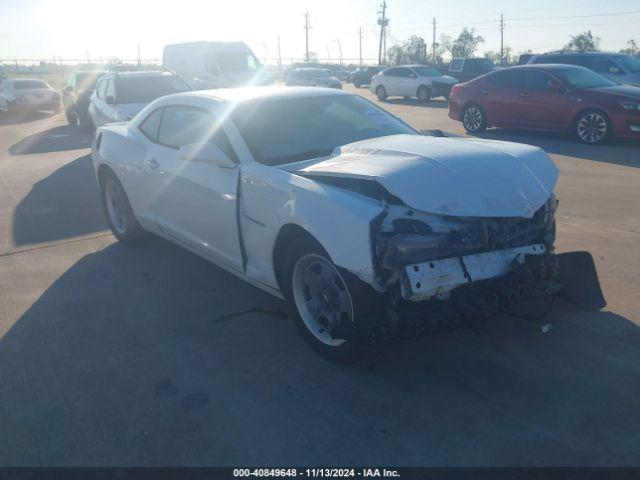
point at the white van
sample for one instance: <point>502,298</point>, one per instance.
<point>215,64</point>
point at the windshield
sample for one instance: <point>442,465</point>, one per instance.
<point>629,63</point>
<point>30,84</point>
<point>236,62</point>
<point>310,127</point>
<point>583,78</point>
<point>426,71</point>
<point>144,89</point>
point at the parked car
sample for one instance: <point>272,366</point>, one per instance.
<point>118,96</point>
<point>215,64</point>
<point>619,67</point>
<point>312,77</point>
<point>320,197</point>
<point>363,75</point>
<point>419,81</point>
<point>465,69</point>
<point>562,98</point>
<point>339,71</point>
<point>22,95</point>
<point>77,94</point>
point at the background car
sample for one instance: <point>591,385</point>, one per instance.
<point>465,69</point>
<point>21,95</point>
<point>419,81</point>
<point>561,98</point>
<point>363,75</point>
<point>77,94</point>
<point>619,67</point>
<point>118,96</point>
<point>312,77</point>
<point>259,181</point>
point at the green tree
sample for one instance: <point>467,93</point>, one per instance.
<point>410,51</point>
<point>464,46</point>
<point>632,48</point>
<point>583,42</point>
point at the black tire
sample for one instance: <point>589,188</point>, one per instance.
<point>357,84</point>
<point>474,119</point>
<point>424,94</point>
<point>592,127</point>
<point>365,302</point>
<point>128,229</point>
<point>72,118</point>
<point>381,93</point>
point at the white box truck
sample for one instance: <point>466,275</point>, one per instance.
<point>215,64</point>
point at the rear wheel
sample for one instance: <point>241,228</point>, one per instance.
<point>381,93</point>
<point>72,118</point>
<point>474,119</point>
<point>117,210</point>
<point>323,296</point>
<point>357,84</point>
<point>593,127</point>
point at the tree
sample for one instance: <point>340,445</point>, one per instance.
<point>495,56</point>
<point>632,48</point>
<point>583,42</point>
<point>410,51</point>
<point>463,46</point>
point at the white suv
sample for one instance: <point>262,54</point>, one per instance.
<point>119,96</point>
<point>406,81</point>
<point>20,95</point>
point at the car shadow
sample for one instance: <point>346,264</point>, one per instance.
<point>17,119</point>
<point>433,103</point>
<point>63,205</point>
<point>621,152</point>
<point>56,139</point>
<point>148,355</point>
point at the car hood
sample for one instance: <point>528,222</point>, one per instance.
<point>621,90</point>
<point>449,176</point>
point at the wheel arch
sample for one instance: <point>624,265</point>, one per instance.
<point>287,234</point>
<point>470,103</point>
<point>577,115</point>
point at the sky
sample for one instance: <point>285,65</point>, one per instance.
<point>80,29</point>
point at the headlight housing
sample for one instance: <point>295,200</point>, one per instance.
<point>628,105</point>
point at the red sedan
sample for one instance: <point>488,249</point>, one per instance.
<point>559,98</point>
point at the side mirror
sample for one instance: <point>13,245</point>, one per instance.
<point>556,86</point>
<point>614,70</point>
<point>205,152</point>
<point>110,100</point>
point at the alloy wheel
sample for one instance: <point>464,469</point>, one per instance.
<point>116,206</point>
<point>321,297</point>
<point>472,119</point>
<point>592,128</point>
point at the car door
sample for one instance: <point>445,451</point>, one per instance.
<point>109,106</point>
<point>410,83</point>
<point>194,202</point>
<point>500,97</point>
<point>391,81</point>
<point>97,103</point>
<point>540,105</point>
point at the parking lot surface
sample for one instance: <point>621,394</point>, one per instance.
<point>148,355</point>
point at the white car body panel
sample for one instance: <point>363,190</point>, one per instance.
<point>450,176</point>
<point>233,216</point>
<point>30,98</point>
<point>405,86</point>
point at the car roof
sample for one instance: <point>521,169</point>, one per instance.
<point>139,73</point>
<point>242,94</point>
<point>579,53</point>
<point>544,66</point>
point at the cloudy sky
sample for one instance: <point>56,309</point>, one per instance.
<point>73,29</point>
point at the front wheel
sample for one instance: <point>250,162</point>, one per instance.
<point>424,94</point>
<point>323,297</point>
<point>357,84</point>
<point>593,127</point>
<point>117,210</point>
<point>72,118</point>
<point>381,93</point>
<point>474,119</point>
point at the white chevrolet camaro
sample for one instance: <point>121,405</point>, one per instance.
<point>367,227</point>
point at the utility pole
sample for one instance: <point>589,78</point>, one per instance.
<point>340,50</point>
<point>279,56</point>
<point>502,40</point>
<point>139,60</point>
<point>383,22</point>
<point>433,43</point>
<point>360,49</point>
<point>306,36</point>
<point>328,54</point>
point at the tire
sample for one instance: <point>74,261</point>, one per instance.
<point>381,93</point>
<point>336,294</point>
<point>592,127</point>
<point>357,84</point>
<point>72,118</point>
<point>117,210</point>
<point>423,94</point>
<point>474,119</point>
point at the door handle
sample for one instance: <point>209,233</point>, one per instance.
<point>152,164</point>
